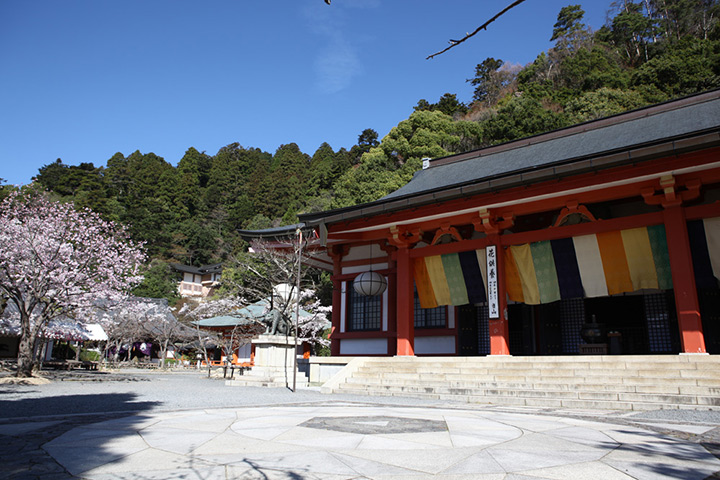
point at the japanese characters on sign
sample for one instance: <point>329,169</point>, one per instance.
<point>492,282</point>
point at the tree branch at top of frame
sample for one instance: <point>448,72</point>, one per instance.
<point>454,43</point>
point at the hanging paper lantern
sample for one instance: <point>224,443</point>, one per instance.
<point>370,284</point>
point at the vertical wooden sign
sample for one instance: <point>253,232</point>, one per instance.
<point>492,281</point>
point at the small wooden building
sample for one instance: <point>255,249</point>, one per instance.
<point>198,282</point>
<point>514,248</point>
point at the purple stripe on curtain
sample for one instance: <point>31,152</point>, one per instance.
<point>704,277</point>
<point>568,272</point>
<point>474,282</point>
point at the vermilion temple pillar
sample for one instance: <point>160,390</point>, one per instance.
<point>337,302</point>
<point>683,277</point>
<point>498,327</point>
<point>405,304</point>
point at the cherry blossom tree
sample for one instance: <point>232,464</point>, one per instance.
<point>313,327</point>
<point>137,318</point>
<point>162,327</point>
<point>190,313</point>
<point>55,262</point>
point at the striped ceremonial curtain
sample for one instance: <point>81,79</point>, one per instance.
<point>584,266</point>
<point>451,279</point>
<point>594,265</point>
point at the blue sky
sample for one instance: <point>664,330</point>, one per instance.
<point>83,79</point>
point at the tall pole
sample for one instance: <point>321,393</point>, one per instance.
<point>297,308</point>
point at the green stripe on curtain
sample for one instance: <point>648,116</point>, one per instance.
<point>661,257</point>
<point>545,272</point>
<point>455,279</point>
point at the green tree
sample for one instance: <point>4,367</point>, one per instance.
<point>591,68</point>
<point>603,103</point>
<point>83,184</point>
<point>391,164</point>
<point>193,172</point>
<point>491,81</point>
<point>159,281</point>
<point>632,31</point>
<point>521,117</point>
<point>568,22</point>
<point>687,66</point>
<point>448,104</point>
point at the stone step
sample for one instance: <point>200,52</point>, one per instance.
<point>542,379</point>
<point>250,381</point>
<point>519,401</point>
<point>628,387</point>
<point>548,399</point>
<point>659,371</point>
<point>268,377</point>
<point>557,394</point>
<point>614,383</point>
<point>606,359</point>
<point>654,374</point>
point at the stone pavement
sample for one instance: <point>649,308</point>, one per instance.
<point>353,440</point>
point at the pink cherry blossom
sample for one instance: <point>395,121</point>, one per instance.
<point>58,262</point>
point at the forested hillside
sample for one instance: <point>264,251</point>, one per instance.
<point>648,52</point>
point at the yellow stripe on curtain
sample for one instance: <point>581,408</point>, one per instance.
<point>638,252</point>
<point>426,294</point>
<point>617,272</point>
<point>526,270</point>
<point>482,261</point>
<point>437,279</point>
<point>513,285</point>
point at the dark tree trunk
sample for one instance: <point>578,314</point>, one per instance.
<point>26,348</point>
<point>25,360</point>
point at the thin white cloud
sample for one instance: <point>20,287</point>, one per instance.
<point>338,62</point>
<point>336,67</point>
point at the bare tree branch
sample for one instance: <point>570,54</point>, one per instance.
<point>454,43</point>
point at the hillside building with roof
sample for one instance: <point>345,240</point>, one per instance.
<point>198,282</point>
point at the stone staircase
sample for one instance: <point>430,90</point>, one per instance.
<point>580,382</point>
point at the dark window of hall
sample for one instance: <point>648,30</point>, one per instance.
<point>429,317</point>
<point>365,313</point>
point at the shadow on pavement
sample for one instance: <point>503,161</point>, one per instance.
<point>32,427</point>
<point>73,405</point>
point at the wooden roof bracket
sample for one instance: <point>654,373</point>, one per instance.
<point>671,195</point>
<point>338,251</point>
<point>402,237</point>
<point>489,224</point>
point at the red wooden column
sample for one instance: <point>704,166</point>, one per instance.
<point>405,317</point>
<point>336,254</point>
<point>392,298</point>
<point>683,277</point>
<point>499,331</point>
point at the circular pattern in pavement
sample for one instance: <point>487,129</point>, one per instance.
<point>341,441</point>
